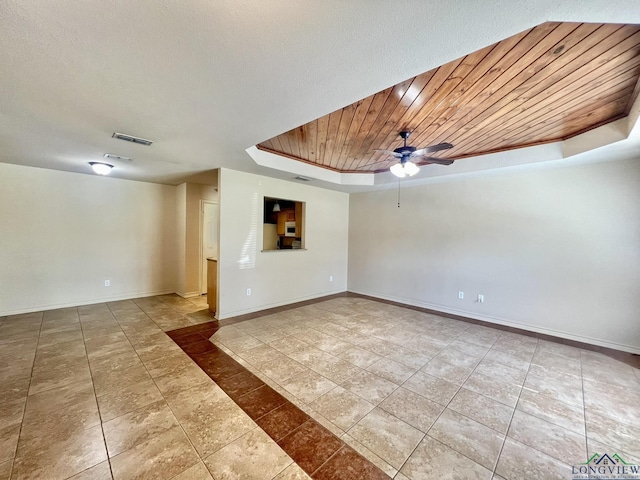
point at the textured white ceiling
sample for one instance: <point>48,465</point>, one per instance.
<point>207,79</point>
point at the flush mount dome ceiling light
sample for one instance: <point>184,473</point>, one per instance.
<point>101,168</point>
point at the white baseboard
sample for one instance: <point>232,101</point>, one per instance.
<point>235,313</point>
<point>54,306</point>
<point>501,321</point>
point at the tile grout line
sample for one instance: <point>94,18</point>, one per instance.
<point>584,407</point>
<point>286,401</point>
<point>550,422</point>
<point>254,421</point>
<point>448,403</point>
<point>151,377</point>
<point>400,385</point>
<point>104,438</point>
<point>520,386</point>
<point>458,337</point>
<point>24,409</point>
<point>330,457</point>
<point>213,381</point>
<point>626,357</point>
<point>528,374</point>
<point>179,423</point>
<point>307,404</point>
<point>466,320</point>
<point>281,386</point>
<point>162,394</point>
<point>506,435</point>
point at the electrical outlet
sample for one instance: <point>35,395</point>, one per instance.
<point>107,283</point>
<point>331,278</point>
<point>248,292</point>
<point>460,295</point>
<point>480,298</point>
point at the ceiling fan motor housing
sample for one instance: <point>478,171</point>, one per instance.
<point>405,151</point>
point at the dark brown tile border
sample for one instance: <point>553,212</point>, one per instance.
<point>278,423</point>
<point>347,462</point>
<point>237,385</point>
<point>260,401</point>
<point>630,359</point>
<point>283,308</point>
<point>311,445</point>
<point>314,448</point>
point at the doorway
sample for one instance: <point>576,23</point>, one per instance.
<point>209,238</point>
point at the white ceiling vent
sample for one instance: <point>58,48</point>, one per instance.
<point>111,156</point>
<point>131,138</point>
<point>301,178</point>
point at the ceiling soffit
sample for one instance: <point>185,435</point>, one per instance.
<point>543,85</point>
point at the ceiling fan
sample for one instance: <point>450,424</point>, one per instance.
<point>406,153</point>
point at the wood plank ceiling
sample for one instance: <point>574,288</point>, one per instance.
<point>543,85</point>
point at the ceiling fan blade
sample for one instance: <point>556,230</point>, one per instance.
<point>389,152</point>
<point>432,149</point>
<point>439,161</point>
<point>372,164</point>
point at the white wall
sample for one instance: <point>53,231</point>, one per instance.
<point>188,197</point>
<point>555,251</point>
<point>283,276</point>
<point>195,193</point>
<point>181,239</point>
<point>62,234</point>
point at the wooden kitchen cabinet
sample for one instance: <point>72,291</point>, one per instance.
<point>298,219</point>
<point>288,213</point>
<point>212,284</point>
<point>283,217</point>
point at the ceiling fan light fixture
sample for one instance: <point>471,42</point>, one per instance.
<point>401,170</point>
<point>398,170</point>
<point>101,168</point>
<point>276,207</point>
<point>411,168</point>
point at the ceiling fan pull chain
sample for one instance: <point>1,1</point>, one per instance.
<point>398,192</point>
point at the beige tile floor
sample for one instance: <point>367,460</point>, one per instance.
<point>424,396</point>
<point>100,392</point>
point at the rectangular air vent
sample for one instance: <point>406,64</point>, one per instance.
<point>131,138</point>
<point>302,179</point>
<point>111,156</point>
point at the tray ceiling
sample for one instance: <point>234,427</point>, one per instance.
<point>546,84</point>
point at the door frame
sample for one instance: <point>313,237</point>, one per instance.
<point>201,240</point>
